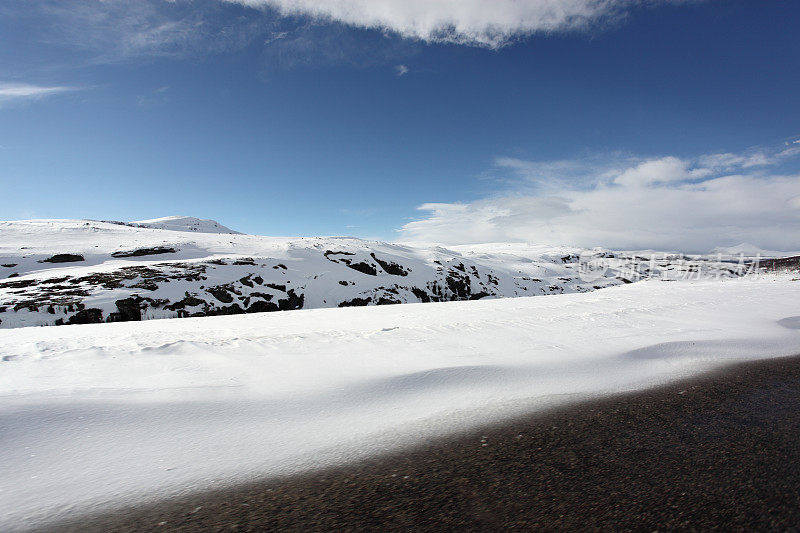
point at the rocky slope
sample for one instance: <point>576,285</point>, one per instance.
<point>56,272</point>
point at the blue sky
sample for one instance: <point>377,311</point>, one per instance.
<point>503,121</point>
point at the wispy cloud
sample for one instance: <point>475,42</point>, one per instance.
<point>120,31</point>
<point>489,23</point>
<point>114,31</point>
<point>660,203</point>
<point>314,45</point>
<point>400,70</point>
<point>15,92</point>
<point>153,98</point>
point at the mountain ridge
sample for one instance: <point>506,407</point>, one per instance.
<point>56,272</point>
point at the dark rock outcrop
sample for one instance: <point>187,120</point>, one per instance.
<point>364,268</point>
<point>292,301</point>
<point>221,293</point>
<point>390,267</point>
<point>129,310</point>
<point>783,263</point>
<point>187,301</point>
<point>18,284</point>
<point>262,306</point>
<point>63,258</point>
<point>356,302</point>
<point>139,252</point>
<point>86,316</point>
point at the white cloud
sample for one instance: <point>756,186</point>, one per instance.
<point>551,175</point>
<point>663,203</point>
<point>654,171</point>
<point>490,23</point>
<point>24,91</point>
<point>752,158</point>
<point>400,70</point>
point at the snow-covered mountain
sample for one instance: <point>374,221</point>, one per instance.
<point>56,272</point>
<point>750,250</point>
<point>179,223</point>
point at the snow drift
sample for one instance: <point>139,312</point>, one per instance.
<point>99,415</point>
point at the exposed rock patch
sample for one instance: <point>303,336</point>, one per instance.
<point>86,316</point>
<point>783,263</point>
<point>390,267</point>
<point>139,252</point>
<point>63,258</point>
<point>356,302</point>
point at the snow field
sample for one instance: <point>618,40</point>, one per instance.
<point>96,416</point>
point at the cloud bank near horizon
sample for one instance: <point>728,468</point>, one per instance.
<point>666,203</point>
<point>488,23</point>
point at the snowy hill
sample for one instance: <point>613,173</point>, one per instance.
<point>742,248</point>
<point>178,223</point>
<point>82,271</point>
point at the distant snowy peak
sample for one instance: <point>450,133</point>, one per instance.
<point>750,250</point>
<point>179,223</point>
<point>744,248</point>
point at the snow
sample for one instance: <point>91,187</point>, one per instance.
<point>180,223</point>
<point>101,415</point>
<point>749,250</point>
<point>157,271</point>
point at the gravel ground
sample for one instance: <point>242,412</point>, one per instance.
<point>721,451</point>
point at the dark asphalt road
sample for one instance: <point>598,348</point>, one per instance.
<point>719,452</point>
